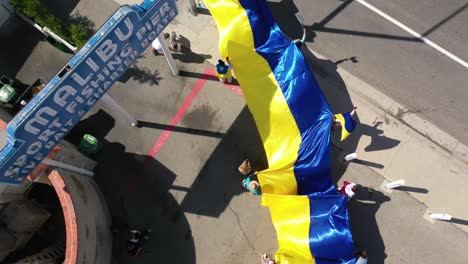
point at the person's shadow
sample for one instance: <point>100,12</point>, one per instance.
<point>186,54</point>
<point>362,214</point>
<point>378,140</point>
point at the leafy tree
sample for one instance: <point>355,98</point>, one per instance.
<point>76,33</point>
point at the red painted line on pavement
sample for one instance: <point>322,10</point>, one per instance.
<point>165,135</point>
<point>180,113</point>
<point>235,88</point>
<point>159,143</point>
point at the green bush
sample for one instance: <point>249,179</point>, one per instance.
<point>76,33</point>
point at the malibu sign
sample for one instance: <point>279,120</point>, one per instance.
<point>69,95</point>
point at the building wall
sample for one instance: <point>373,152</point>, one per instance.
<point>87,219</point>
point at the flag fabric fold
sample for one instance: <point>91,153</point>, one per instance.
<point>347,124</point>
<point>311,229</point>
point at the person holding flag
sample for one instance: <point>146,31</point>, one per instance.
<point>346,121</point>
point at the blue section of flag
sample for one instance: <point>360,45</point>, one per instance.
<point>330,239</point>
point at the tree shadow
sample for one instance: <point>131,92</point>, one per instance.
<point>135,187</point>
<point>362,211</point>
<point>77,18</point>
<point>141,75</point>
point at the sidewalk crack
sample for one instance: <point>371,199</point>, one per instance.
<point>238,222</point>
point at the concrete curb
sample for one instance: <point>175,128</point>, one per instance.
<point>441,139</point>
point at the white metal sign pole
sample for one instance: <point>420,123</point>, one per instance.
<point>168,55</point>
<point>119,109</point>
<point>66,166</point>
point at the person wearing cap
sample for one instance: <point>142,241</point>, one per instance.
<point>245,167</point>
<point>156,45</point>
<point>223,70</point>
<point>266,260</point>
<point>348,188</point>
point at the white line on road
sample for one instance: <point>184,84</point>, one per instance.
<point>414,33</point>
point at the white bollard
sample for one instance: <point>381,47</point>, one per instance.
<point>395,184</point>
<point>445,217</point>
<point>350,156</point>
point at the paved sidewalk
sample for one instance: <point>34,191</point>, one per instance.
<point>177,174</point>
<point>394,142</point>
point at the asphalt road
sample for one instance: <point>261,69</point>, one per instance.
<point>389,58</point>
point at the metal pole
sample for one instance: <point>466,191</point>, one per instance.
<point>69,167</point>
<point>119,109</point>
<point>168,55</point>
<point>47,31</point>
<point>59,39</point>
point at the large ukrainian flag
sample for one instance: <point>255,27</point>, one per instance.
<point>294,122</point>
<point>311,229</point>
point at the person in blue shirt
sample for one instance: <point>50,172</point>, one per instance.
<point>223,71</point>
<point>251,183</point>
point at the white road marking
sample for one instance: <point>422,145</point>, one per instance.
<point>414,33</point>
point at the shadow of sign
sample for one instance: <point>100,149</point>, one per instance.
<point>136,189</point>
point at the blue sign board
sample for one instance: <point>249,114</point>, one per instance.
<point>69,95</point>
